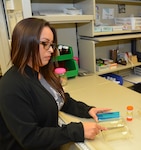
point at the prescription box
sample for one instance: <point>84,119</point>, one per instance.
<point>134,59</point>
<point>106,67</point>
<point>113,65</point>
<point>73,11</point>
<point>102,68</point>
<point>130,23</point>
<point>106,29</point>
<point>117,28</point>
<point>97,29</point>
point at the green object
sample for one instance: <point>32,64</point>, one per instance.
<point>66,56</point>
<point>67,61</point>
<point>72,68</point>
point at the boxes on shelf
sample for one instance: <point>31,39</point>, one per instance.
<point>130,23</point>
<point>106,29</point>
<point>73,11</point>
<point>117,28</point>
<point>104,64</point>
<point>97,29</point>
<point>102,67</point>
<point>134,59</point>
<point>113,65</point>
<point>113,77</point>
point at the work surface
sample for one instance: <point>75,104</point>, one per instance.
<point>99,92</point>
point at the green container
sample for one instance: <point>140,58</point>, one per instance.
<point>72,68</point>
<point>66,56</point>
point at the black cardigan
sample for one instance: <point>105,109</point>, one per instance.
<point>29,114</point>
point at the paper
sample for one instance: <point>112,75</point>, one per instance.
<point>9,5</point>
<point>108,13</point>
<point>133,78</point>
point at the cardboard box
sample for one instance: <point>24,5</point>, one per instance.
<point>134,59</point>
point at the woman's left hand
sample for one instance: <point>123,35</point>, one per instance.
<point>94,111</point>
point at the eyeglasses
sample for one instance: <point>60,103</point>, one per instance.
<point>47,45</point>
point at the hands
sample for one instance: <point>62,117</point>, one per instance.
<point>91,129</point>
<point>94,111</point>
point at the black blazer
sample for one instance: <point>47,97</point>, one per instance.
<point>29,114</point>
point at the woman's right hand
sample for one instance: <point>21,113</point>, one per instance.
<point>91,129</point>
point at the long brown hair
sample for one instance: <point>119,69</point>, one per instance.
<point>25,45</point>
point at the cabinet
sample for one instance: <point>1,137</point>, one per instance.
<point>100,43</point>
<point>66,25</point>
<point>78,30</point>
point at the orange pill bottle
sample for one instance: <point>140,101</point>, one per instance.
<point>129,113</point>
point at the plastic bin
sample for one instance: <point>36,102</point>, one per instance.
<point>72,68</point>
<point>67,56</point>
<point>117,129</point>
<point>113,77</point>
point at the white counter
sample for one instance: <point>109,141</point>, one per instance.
<point>99,92</point>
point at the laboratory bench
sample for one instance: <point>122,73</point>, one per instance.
<point>97,91</point>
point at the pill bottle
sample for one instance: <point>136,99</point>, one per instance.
<point>61,73</point>
<point>129,113</point>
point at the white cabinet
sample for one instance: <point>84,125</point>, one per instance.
<point>100,43</point>
<point>52,10</point>
<point>78,30</point>
<point>66,25</point>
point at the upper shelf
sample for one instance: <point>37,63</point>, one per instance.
<point>117,37</point>
<point>116,32</point>
<point>133,2</point>
<point>67,18</point>
<point>113,37</point>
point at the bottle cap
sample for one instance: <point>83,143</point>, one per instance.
<point>60,70</point>
<point>130,107</point>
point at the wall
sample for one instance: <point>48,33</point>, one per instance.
<point>4,45</point>
<point>129,10</point>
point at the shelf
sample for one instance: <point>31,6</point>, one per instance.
<point>87,38</point>
<point>67,18</point>
<point>117,37</point>
<point>113,37</point>
<point>116,32</point>
<point>130,2</point>
<point>119,67</point>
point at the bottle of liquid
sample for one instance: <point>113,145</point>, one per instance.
<point>129,113</point>
<point>61,73</point>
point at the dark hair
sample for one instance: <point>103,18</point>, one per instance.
<point>25,44</point>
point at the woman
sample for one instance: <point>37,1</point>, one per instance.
<point>31,95</point>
